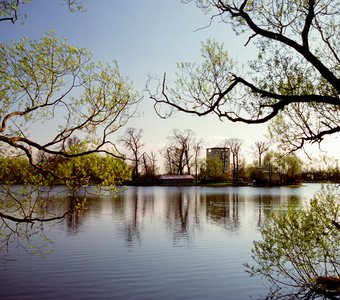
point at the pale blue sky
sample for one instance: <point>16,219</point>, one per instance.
<point>145,36</point>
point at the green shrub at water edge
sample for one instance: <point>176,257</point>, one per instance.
<point>300,246</point>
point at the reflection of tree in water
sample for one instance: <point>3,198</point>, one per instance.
<point>184,209</point>
<point>267,203</point>
<point>27,214</point>
<point>182,215</point>
<point>264,207</point>
<point>79,207</point>
<point>131,227</point>
<point>181,209</point>
<point>223,209</point>
<point>131,210</point>
<point>29,238</point>
<point>293,294</point>
<point>135,208</point>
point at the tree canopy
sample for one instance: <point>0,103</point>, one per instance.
<point>180,151</point>
<point>49,83</point>
<point>293,82</point>
<point>10,9</point>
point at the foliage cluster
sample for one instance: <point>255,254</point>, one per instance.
<point>74,172</point>
<point>325,169</point>
<point>213,170</point>
<point>300,246</point>
<point>47,81</point>
<point>277,168</point>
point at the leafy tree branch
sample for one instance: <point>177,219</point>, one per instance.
<point>295,77</point>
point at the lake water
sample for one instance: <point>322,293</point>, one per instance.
<point>147,243</point>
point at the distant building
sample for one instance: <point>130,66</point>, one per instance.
<point>265,177</point>
<point>221,153</point>
<point>176,179</point>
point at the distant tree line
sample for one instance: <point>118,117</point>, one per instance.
<point>323,169</point>
<point>182,155</point>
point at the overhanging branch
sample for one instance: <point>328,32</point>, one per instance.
<point>215,107</point>
<point>32,220</point>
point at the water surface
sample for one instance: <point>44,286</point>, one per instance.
<point>147,243</point>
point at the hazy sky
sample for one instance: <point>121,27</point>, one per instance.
<point>146,37</point>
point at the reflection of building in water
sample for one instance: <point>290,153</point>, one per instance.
<point>223,209</point>
<point>222,154</point>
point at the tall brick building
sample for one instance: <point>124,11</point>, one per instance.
<point>221,153</point>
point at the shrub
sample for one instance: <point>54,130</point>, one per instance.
<point>300,246</point>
